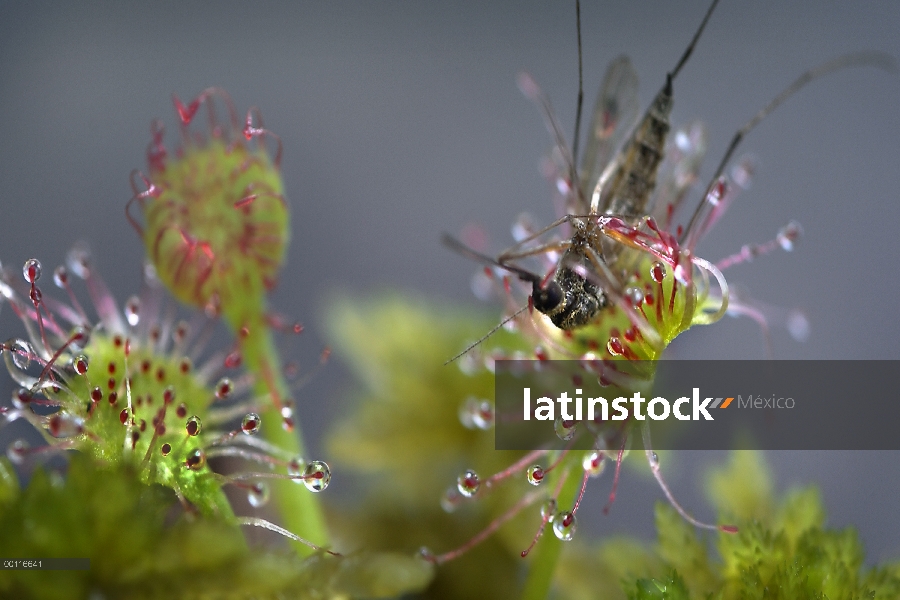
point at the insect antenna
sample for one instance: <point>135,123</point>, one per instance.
<point>494,330</point>
<point>532,278</point>
<point>857,59</point>
<point>690,49</point>
<point>580,101</point>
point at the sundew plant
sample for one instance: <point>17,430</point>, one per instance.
<point>257,282</point>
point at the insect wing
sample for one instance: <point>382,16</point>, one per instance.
<point>679,170</point>
<point>614,116</point>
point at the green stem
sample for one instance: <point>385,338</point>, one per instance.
<point>301,512</point>
<point>546,553</point>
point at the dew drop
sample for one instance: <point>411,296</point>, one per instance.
<point>21,398</point>
<point>193,426</point>
<point>195,460</point>
<point>635,295</point>
<point>468,483</point>
<point>482,286</point>
<point>535,475</point>
<point>79,338</point>
<point>258,495</point>
<point>21,353</point>
<point>476,413</point>
<point>593,463</point>
<point>295,468</point>
<point>123,416</point>
<point>451,499</point>
<point>654,459</point>
<point>16,451</point>
<point>168,395</point>
<point>132,310</point>
<point>79,259</point>
<point>81,363</point>
<point>62,425</point>
<point>224,388</point>
<point>426,554</point>
<point>548,509</point>
<point>615,347</point>
<point>788,235</point>
<point>32,270</point>
<point>483,417</point>
<point>316,476</point>
<point>565,430</point>
<point>657,272</point>
<point>798,325</point>
<point>250,424</point>
<point>96,394</point>
<point>564,525</point>
<point>60,276</point>
<point>165,449</point>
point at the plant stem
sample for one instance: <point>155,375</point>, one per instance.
<point>300,510</point>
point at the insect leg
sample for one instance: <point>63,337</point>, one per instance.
<point>859,59</point>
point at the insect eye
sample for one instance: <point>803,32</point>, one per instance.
<point>548,298</point>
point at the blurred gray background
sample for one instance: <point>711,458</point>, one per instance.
<point>401,120</point>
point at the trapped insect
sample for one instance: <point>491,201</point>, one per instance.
<point>615,213</point>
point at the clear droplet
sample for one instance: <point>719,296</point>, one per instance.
<point>79,260</point>
<point>132,310</point>
<point>196,459</point>
<point>165,449</point>
<point>654,459</point>
<point>615,347</point>
<point>426,554</point>
<point>295,468</point>
<point>483,417</point>
<point>564,525</point>
<point>798,325</point>
<point>451,499</point>
<point>223,388</point>
<point>22,352</point>
<point>657,272</point>
<point>258,495</point>
<point>63,425</point>
<point>565,430</point>
<point>548,509</point>
<point>193,426</point>
<point>635,295</point>
<point>476,413</point>
<point>79,336</point>
<point>250,424</point>
<point>21,398</point>
<point>788,235</point>
<point>468,483</point>
<point>80,363</point>
<point>16,451</point>
<point>535,475</point>
<point>32,270</point>
<point>316,476</point>
<point>593,463</point>
<point>60,276</point>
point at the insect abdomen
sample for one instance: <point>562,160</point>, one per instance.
<point>632,187</point>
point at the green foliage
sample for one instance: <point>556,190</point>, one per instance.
<point>782,551</point>
<point>404,435</point>
<point>138,548</point>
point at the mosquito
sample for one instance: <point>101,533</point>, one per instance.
<point>615,189</point>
